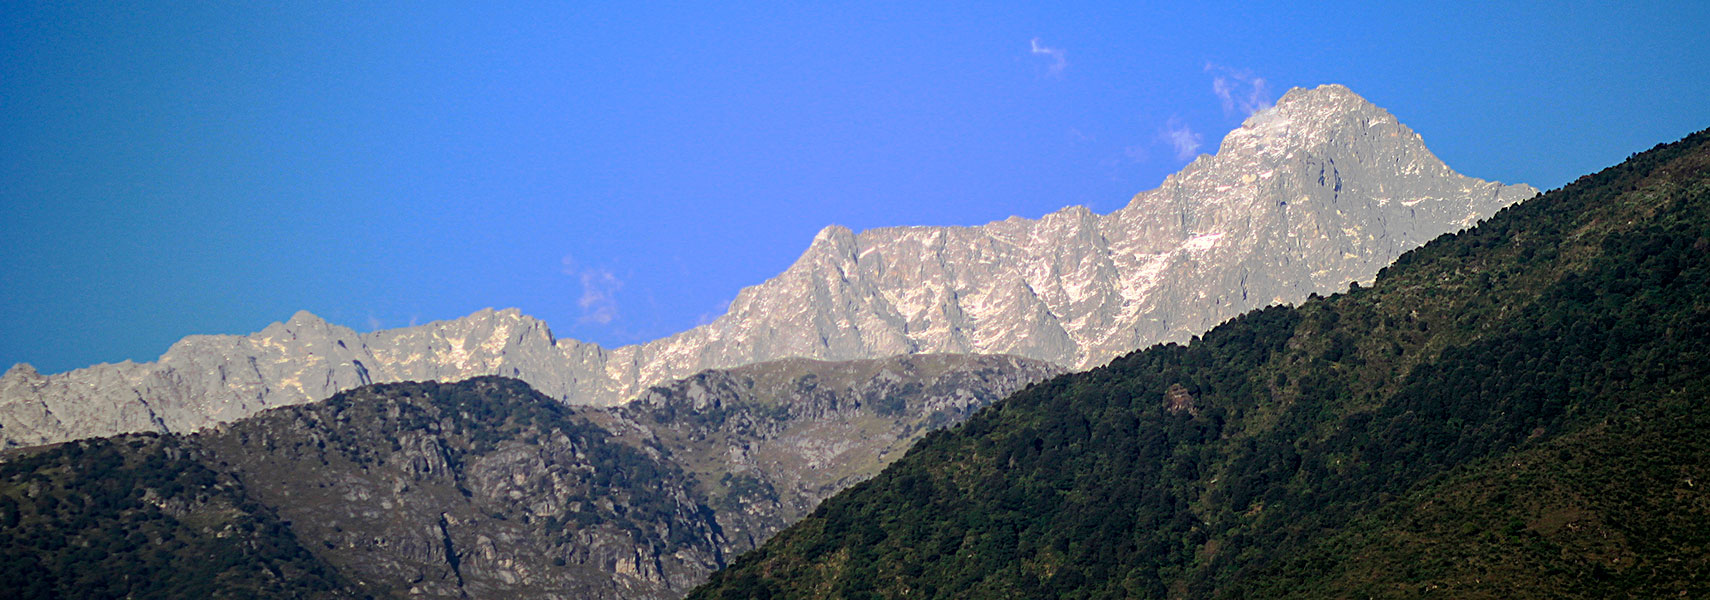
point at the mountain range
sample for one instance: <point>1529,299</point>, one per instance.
<point>1321,190</point>
<point>1511,410</point>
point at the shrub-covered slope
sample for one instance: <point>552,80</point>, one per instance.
<point>1611,511</point>
<point>137,517</point>
<point>1508,412</point>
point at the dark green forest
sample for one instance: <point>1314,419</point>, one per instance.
<point>1512,411</point>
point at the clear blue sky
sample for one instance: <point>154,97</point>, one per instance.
<point>171,169</point>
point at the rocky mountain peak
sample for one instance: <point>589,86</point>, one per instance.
<point>1307,118</point>
<point>305,319</point>
<point>1318,191</point>
<point>1329,94</point>
<point>1322,106</point>
<point>834,241</point>
<point>22,371</point>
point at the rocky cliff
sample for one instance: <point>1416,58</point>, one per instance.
<point>1321,190</point>
<point>768,442</point>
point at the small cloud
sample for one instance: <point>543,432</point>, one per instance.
<point>373,323</point>
<point>1224,91</point>
<point>1077,135</point>
<point>1059,58</point>
<point>1136,154</point>
<point>1238,89</point>
<point>599,291</point>
<point>1185,141</point>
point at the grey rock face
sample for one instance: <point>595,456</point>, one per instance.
<point>768,442</point>
<point>1321,190</point>
<point>207,380</point>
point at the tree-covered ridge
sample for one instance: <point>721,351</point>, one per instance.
<point>136,517</point>
<point>1203,470</point>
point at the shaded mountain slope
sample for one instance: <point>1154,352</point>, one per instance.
<point>1228,467</point>
<point>480,489</point>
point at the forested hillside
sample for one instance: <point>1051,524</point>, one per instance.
<point>1513,411</point>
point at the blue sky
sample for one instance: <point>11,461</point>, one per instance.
<point>621,171</point>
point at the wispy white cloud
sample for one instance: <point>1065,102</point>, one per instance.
<point>1136,154</point>
<point>373,323</point>
<point>599,291</point>
<point>1238,89</point>
<point>1221,87</point>
<point>1059,58</point>
<point>1183,138</point>
<point>599,301</point>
